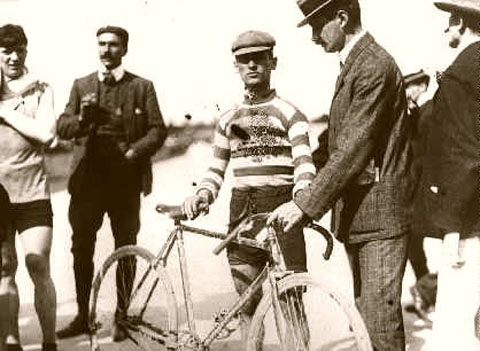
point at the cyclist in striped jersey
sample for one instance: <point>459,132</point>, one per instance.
<point>265,141</point>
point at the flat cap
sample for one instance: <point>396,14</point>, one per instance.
<point>252,41</point>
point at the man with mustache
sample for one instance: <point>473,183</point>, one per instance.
<point>365,179</point>
<point>114,116</point>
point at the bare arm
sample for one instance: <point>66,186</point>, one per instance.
<point>40,128</point>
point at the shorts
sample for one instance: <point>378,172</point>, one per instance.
<point>26,215</point>
<point>4,214</point>
<point>249,201</point>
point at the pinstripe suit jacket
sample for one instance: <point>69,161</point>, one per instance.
<point>366,177</point>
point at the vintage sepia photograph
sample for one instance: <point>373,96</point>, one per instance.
<point>239,175</point>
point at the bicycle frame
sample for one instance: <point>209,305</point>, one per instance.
<point>176,236</point>
<point>273,271</point>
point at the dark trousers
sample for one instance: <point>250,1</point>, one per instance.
<point>416,256</point>
<point>86,213</point>
<point>378,267</point>
<point>246,263</point>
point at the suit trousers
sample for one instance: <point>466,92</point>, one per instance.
<point>86,213</point>
<point>378,267</point>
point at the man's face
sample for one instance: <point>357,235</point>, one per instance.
<point>12,60</point>
<point>111,50</point>
<point>328,33</point>
<point>255,68</point>
<point>454,30</point>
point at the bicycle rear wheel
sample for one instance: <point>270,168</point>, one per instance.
<point>130,291</point>
<point>312,317</point>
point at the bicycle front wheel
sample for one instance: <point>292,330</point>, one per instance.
<point>306,315</point>
<point>132,304</point>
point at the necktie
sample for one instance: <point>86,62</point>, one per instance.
<point>108,78</point>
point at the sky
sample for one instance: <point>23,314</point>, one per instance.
<point>183,46</point>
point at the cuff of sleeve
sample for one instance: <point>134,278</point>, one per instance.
<point>205,193</point>
<point>303,199</point>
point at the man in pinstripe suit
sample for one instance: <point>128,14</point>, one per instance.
<point>366,177</point>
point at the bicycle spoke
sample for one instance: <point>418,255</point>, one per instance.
<point>314,318</point>
<point>133,296</point>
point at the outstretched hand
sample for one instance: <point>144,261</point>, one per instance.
<point>286,216</point>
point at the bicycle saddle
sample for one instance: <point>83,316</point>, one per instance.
<point>174,212</point>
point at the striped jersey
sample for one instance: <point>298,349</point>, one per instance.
<point>265,141</point>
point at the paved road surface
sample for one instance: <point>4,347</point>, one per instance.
<point>210,274</point>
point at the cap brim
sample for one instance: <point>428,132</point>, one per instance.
<point>312,14</point>
<point>445,6</point>
<point>249,50</point>
<point>449,7</point>
<point>423,77</point>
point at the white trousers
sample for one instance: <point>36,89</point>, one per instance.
<point>458,295</point>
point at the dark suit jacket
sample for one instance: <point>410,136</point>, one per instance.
<point>366,177</point>
<point>143,123</point>
<point>452,160</point>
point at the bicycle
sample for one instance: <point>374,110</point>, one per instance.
<point>287,317</point>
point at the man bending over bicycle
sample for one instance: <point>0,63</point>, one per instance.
<point>265,138</point>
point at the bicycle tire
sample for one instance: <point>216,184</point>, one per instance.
<point>304,299</point>
<point>151,315</point>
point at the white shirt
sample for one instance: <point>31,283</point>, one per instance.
<point>343,54</point>
<point>117,73</point>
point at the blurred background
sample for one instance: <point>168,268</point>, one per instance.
<point>184,46</point>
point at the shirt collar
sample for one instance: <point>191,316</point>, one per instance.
<point>117,73</point>
<point>466,42</point>
<point>252,99</point>
<point>343,54</point>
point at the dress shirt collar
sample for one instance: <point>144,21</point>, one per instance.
<point>343,54</point>
<point>117,73</point>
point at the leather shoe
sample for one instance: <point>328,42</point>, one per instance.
<point>119,333</point>
<point>49,347</point>
<point>13,347</point>
<point>77,327</point>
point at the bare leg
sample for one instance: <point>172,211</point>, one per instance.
<point>243,275</point>
<point>9,291</point>
<point>37,242</point>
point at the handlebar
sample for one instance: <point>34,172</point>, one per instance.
<point>328,237</point>
<point>176,213</point>
<point>234,233</point>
